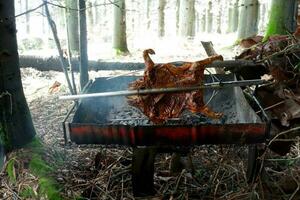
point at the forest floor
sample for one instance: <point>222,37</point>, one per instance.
<point>220,171</point>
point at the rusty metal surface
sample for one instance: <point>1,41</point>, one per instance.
<point>110,120</point>
<point>168,135</point>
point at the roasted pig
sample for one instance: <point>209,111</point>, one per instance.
<point>160,107</point>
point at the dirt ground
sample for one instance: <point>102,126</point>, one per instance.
<point>220,171</point>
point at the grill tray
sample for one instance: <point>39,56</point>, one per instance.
<point>110,120</point>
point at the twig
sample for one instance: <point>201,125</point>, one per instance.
<point>31,10</point>
<point>283,133</point>
<point>178,181</point>
<point>297,189</point>
<point>88,7</point>
<point>270,107</point>
<point>60,52</point>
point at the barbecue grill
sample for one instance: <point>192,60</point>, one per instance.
<point>110,120</point>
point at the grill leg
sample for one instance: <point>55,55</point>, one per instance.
<point>143,171</point>
<point>254,164</point>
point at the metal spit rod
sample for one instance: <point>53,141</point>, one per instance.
<point>214,85</point>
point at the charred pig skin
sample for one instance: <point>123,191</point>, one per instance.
<point>160,107</point>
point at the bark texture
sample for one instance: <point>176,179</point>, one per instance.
<point>248,19</point>
<point>282,17</point>
<point>119,35</point>
<point>84,76</point>
<point>16,127</point>
<point>209,17</point>
<point>187,18</point>
<point>161,18</point>
<point>73,27</point>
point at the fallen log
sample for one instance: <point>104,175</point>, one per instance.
<point>53,63</point>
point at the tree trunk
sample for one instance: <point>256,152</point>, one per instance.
<point>219,20</point>
<point>203,21</point>
<point>119,35</point>
<point>248,19</point>
<point>53,63</point>
<point>16,127</point>
<point>44,27</point>
<point>72,20</point>
<point>27,18</point>
<point>230,20</point>
<point>209,17</point>
<point>282,17</point>
<point>235,16</point>
<point>90,17</point>
<point>263,10</point>
<point>161,18</point>
<point>84,76</point>
<point>187,18</point>
<point>177,16</point>
<point>96,10</point>
<point>148,14</point>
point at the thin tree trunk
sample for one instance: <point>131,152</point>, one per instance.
<point>90,17</point>
<point>44,22</point>
<point>84,76</point>
<point>16,127</point>
<point>197,19</point>
<point>148,14</point>
<point>235,16</point>
<point>203,21</point>
<point>209,17</point>
<point>161,18</point>
<point>119,35</point>
<point>248,19</point>
<point>282,18</point>
<point>177,15</point>
<point>96,10</point>
<point>263,11</point>
<point>219,20</point>
<point>27,17</point>
<point>63,62</point>
<point>70,57</point>
<point>73,27</point>
<point>230,19</point>
<point>187,18</point>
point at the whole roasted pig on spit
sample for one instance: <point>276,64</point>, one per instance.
<point>160,107</point>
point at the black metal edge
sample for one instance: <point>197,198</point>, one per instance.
<point>265,116</point>
<point>86,86</point>
<point>65,125</point>
<point>161,125</point>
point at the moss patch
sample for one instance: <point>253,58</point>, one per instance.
<point>277,19</point>
<point>31,160</point>
<point>28,193</point>
<point>38,166</point>
<point>10,170</point>
<point>48,187</point>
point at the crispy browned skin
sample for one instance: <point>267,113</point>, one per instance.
<point>160,107</point>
